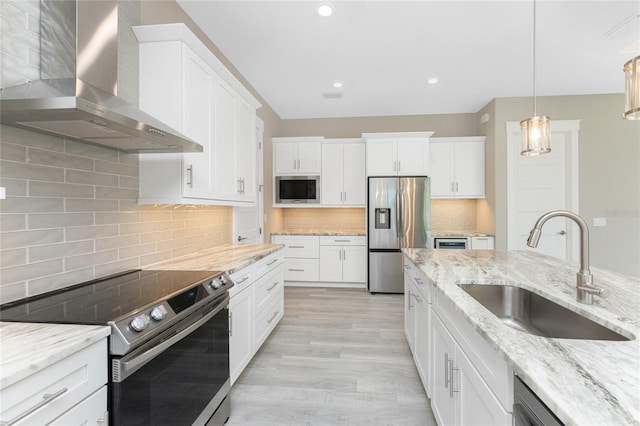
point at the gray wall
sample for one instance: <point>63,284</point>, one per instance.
<point>609,176</point>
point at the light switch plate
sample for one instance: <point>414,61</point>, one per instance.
<point>599,221</point>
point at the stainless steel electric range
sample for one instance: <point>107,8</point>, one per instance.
<point>169,343</point>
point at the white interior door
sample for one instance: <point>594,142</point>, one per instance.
<point>542,183</point>
<point>247,221</point>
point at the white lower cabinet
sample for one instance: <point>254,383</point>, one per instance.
<point>70,391</point>
<point>460,395</point>
<point>324,261</point>
<point>258,291</point>
<point>343,259</point>
<point>468,382</point>
<point>240,332</point>
<point>482,243</point>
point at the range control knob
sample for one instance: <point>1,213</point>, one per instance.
<point>215,284</point>
<point>158,313</point>
<point>224,280</point>
<point>139,323</point>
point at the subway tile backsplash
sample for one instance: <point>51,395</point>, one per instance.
<point>71,215</point>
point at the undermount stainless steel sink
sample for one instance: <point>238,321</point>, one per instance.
<point>529,312</point>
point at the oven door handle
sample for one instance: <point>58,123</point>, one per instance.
<point>123,367</point>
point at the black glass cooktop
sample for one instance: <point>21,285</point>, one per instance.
<point>102,300</point>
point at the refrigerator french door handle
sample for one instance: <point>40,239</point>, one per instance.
<point>398,223</point>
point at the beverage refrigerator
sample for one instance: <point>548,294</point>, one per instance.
<point>398,216</point>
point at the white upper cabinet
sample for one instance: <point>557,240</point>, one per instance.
<point>457,167</point>
<point>296,156</point>
<point>343,173</point>
<point>398,154</point>
<point>184,85</point>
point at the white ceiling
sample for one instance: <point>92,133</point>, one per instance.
<point>385,51</point>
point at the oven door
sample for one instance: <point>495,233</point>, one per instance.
<point>180,377</point>
<point>451,243</point>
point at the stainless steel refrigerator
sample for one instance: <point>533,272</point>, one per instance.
<point>398,216</point>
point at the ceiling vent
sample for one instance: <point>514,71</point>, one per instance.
<point>332,95</point>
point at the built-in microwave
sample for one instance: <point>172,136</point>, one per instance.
<point>297,190</point>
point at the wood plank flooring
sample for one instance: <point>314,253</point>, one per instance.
<point>337,357</point>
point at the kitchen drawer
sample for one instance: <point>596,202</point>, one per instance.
<point>72,379</point>
<point>338,240</point>
<point>92,411</point>
<point>302,246</point>
<point>241,278</point>
<point>301,270</point>
<point>268,263</point>
<point>267,320</point>
<point>266,288</point>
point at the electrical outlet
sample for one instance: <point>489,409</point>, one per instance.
<point>599,221</point>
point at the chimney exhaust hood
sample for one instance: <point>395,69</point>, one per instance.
<point>76,96</point>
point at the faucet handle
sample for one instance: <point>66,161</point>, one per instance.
<point>594,289</point>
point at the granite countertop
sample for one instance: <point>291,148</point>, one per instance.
<point>581,381</point>
<point>320,232</point>
<point>447,233</point>
<point>28,348</point>
<point>228,258</point>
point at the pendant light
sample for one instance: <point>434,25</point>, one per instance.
<point>536,131</point>
<point>632,89</point>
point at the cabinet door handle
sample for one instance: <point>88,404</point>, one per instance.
<point>451,389</point>
<point>275,283</point>
<point>104,420</point>
<point>345,196</point>
<point>296,246</point>
<point>296,270</point>
<point>46,399</point>
<point>446,370</point>
<point>273,317</point>
<point>230,323</point>
<point>395,166</point>
<point>298,164</point>
<point>418,280</point>
<point>341,241</point>
<point>344,254</point>
<point>453,188</point>
<point>399,165</point>
<point>190,170</point>
<point>295,164</point>
<point>409,300</point>
<point>272,262</point>
<point>456,186</point>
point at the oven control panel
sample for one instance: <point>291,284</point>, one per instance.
<point>129,332</point>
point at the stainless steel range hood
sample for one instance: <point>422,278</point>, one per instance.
<point>76,96</point>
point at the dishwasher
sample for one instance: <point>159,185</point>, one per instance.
<point>528,410</point>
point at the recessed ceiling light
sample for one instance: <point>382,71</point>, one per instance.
<point>432,80</point>
<point>325,10</point>
<point>337,85</point>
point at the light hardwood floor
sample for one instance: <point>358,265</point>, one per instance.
<point>338,357</point>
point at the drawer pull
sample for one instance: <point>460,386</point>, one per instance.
<point>275,283</point>
<point>446,370</point>
<point>296,247</point>
<point>418,280</point>
<point>242,280</point>
<point>342,241</point>
<point>296,270</point>
<point>275,314</point>
<point>46,399</point>
<point>104,420</point>
<point>272,262</point>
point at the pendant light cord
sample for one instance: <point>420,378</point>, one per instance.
<point>535,114</point>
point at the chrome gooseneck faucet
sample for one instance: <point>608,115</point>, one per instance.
<point>584,283</point>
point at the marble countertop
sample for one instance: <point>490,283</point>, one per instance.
<point>228,258</point>
<point>582,381</point>
<point>319,232</point>
<point>27,348</point>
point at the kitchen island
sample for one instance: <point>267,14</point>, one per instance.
<point>581,381</point>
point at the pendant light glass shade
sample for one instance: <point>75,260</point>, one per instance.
<point>536,136</point>
<point>632,89</point>
<point>536,131</point>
